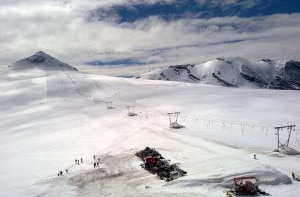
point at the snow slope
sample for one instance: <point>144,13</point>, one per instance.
<point>50,117</point>
<point>234,72</point>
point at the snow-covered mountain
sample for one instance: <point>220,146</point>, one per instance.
<point>51,115</point>
<point>41,60</point>
<point>234,72</point>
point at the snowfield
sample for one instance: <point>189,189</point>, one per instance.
<point>50,117</point>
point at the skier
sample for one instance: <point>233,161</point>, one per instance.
<point>94,164</point>
<point>98,160</point>
<point>94,156</point>
<point>60,173</point>
<point>81,160</point>
<point>254,156</point>
<point>97,164</point>
<point>75,161</point>
<point>67,171</point>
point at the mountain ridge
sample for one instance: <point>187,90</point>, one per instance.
<point>234,72</point>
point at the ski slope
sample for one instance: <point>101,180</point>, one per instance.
<point>50,117</point>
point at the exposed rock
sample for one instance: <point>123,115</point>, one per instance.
<point>288,77</point>
<point>223,82</point>
<point>252,76</point>
<point>163,77</point>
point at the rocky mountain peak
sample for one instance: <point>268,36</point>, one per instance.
<point>41,60</point>
<point>39,57</point>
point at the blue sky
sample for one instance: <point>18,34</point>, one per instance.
<point>197,9</point>
<point>111,34</point>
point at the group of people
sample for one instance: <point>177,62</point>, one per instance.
<point>60,173</point>
<point>77,162</point>
<point>96,162</point>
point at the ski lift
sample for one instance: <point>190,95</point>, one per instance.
<point>289,128</point>
<point>175,125</point>
<point>131,111</point>
<point>109,105</point>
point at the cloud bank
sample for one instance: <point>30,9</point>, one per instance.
<point>66,30</point>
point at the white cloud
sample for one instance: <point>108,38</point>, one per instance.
<point>62,29</point>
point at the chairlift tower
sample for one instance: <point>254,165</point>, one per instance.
<point>109,105</point>
<point>173,123</point>
<point>289,127</point>
<point>130,110</point>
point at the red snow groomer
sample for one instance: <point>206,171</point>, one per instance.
<point>151,164</point>
<point>247,185</point>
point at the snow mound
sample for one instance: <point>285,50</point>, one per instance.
<point>267,176</point>
<point>283,149</point>
<point>41,60</point>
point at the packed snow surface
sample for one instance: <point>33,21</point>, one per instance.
<point>50,117</point>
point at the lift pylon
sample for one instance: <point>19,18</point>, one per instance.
<point>173,117</point>
<point>130,110</point>
<point>289,127</point>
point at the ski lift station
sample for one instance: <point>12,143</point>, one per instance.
<point>173,117</point>
<point>130,110</point>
